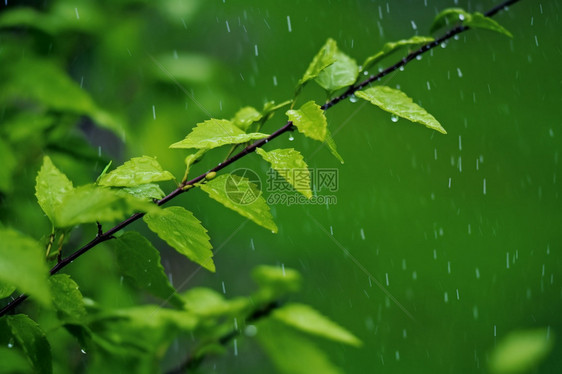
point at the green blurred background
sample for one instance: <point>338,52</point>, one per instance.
<point>464,229</point>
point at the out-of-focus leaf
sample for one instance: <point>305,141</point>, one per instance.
<point>12,361</point>
<point>146,191</point>
<point>342,73</point>
<point>51,187</point>
<point>396,102</point>
<point>290,164</point>
<point>324,58</point>
<point>275,281</point>
<point>136,171</point>
<point>22,264</point>
<point>33,341</point>
<point>140,261</point>
<point>215,133</point>
<point>67,298</point>
<point>306,319</point>
<point>245,117</point>
<point>475,20</point>
<point>331,144</point>
<point>292,353</point>
<point>521,351</point>
<point>479,21</point>
<point>182,231</point>
<point>6,290</point>
<point>242,196</point>
<point>154,316</point>
<point>8,166</point>
<point>392,47</point>
<point>185,68</point>
<point>209,303</point>
<point>310,120</point>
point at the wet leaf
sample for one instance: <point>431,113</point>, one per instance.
<point>310,120</point>
<point>51,187</point>
<point>67,298</point>
<point>391,47</point>
<point>215,133</point>
<point>13,361</point>
<point>290,164</point>
<point>475,20</point>
<point>33,341</point>
<point>209,303</point>
<point>331,144</point>
<point>396,102</point>
<point>310,321</point>
<point>135,172</point>
<point>182,231</point>
<point>147,191</point>
<point>6,290</point>
<point>342,73</point>
<point>22,264</point>
<point>324,58</point>
<point>242,196</point>
<point>140,261</point>
<point>245,117</point>
<point>276,281</point>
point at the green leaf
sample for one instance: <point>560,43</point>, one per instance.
<point>215,133</point>
<point>136,171</point>
<point>392,47</point>
<point>290,164</point>
<point>475,20</point>
<point>33,341</point>
<point>521,351</point>
<point>51,187</point>
<point>22,264</point>
<point>12,361</point>
<point>6,290</point>
<point>67,299</point>
<point>245,117</point>
<point>182,231</point>
<point>185,67</point>
<point>147,191</point>
<point>139,260</point>
<point>308,320</point>
<point>292,353</point>
<point>342,73</point>
<point>91,203</point>
<point>397,103</point>
<point>275,281</point>
<point>324,58</point>
<point>9,163</point>
<point>270,107</point>
<point>154,317</point>
<point>331,144</point>
<point>242,196</point>
<point>310,120</point>
<point>209,303</point>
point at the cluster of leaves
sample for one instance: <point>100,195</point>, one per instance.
<point>139,336</point>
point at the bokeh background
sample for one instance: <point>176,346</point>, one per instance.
<point>463,230</point>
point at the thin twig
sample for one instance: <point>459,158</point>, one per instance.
<point>100,238</point>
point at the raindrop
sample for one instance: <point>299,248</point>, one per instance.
<point>235,348</point>
<point>291,137</point>
<point>362,232</point>
<point>353,98</point>
<point>536,41</point>
<point>252,244</point>
<point>484,186</point>
<point>256,49</point>
<point>477,271</point>
<point>458,295</point>
<point>461,17</point>
<point>428,86</point>
<point>460,143</point>
<point>81,81</point>
<point>251,330</point>
<point>223,288</point>
<point>507,260</point>
<point>418,57</point>
<point>448,267</point>
<point>435,153</point>
<point>11,343</point>
<point>227,26</point>
<point>435,254</point>
<point>387,282</point>
<point>404,334</point>
<point>274,80</point>
<point>154,112</point>
<point>289,23</point>
<point>401,68</point>
<point>446,297</point>
<point>443,45</point>
<point>83,351</point>
<point>414,275</point>
<point>394,118</point>
<point>414,26</point>
<point>449,182</point>
<point>495,330</point>
<point>475,312</point>
<point>283,269</point>
<point>397,355</point>
<point>78,17</point>
<point>332,230</point>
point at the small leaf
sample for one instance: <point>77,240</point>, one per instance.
<point>270,107</point>
<point>6,290</point>
<point>396,102</point>
<point>22,264</point>
<point>67,299</point>
<point>209,303</point>
<point>292,353</point>
<point>182,231</point>
<point>521,351</point>
<point>215,133</point>
<point>245,117</point>
<point>242,196</point>
<point>140,261</point>
<point>290,164</point>
<point>342,73</point>
<point>51,187</point>
<point>147,191</point>
<point>324,58</point>
<point>331,144</point>
<point>392,47</point>
<point>33,341</point>
<point>276,281</point>
<point>310,120</point>
<point>154,317</point>
<point>475,20</point>
<point>306,319</point>
<point>136,171</point>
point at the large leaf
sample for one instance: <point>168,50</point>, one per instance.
<point>13,361</point>
<point>342,73</point>
<point>22,264</point>
<point>91,203</point>
<point>290,164</point>
<point>306,319</point>
<point>324,58</point>
<point>475,20</point>
<point>310,120</point>
<point>397,103</point>
<point>147,191</point>
<point>51,187</point>
<point>182,231</point>
<point>33,341</point>
<point>292,353</point>
<point>520,351</point>
<point>239,194</point>
<point>67,298</point>
<point>392,47</point>
<point>140,261</point>
<point>245,117</point>
<point>136,171</point>
<point>215,133</point>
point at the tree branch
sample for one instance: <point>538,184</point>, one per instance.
<point>102,237</point>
